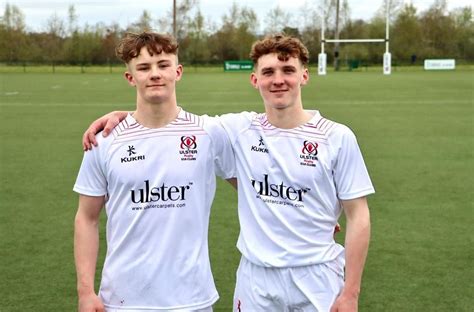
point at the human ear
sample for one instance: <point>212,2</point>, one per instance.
<point>305,77</point>
<point>179,72</point>
<point>129,77</point>
<point>253,80</point>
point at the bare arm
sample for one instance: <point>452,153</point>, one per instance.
<point>356,245</point>
<point>86,247</point>
<point>106,122</point>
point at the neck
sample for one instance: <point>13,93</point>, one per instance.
<point>288,117</point>
<point>156,115</point>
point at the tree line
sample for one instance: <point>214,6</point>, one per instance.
<point>414,36</point>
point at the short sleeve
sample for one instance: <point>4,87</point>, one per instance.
<point>91,179</point>
<point>223,153</point>
<point>350,173</point>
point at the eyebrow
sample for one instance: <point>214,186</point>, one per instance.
<point>148,63</point>
<point>273,68</point>
<point>266,68</point>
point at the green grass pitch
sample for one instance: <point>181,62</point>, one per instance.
<point>415,129</point>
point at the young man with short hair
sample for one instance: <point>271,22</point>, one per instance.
<point>156,176</point>
<point>297,172</point>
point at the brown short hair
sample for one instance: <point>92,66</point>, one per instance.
<point>284,46</point>
<point>130,46</point>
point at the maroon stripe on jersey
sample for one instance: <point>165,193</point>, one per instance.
<point>323,125</point>
<point>135,125</point>
<point>309,132</point>
<point>303,134</point>
<point>174,133</point>
<point>318,131</point>
<point>321,122</point>
<point>189,123</point>
<point>261,121</point>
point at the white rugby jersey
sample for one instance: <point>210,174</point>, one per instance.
<point>159,184</point>
<point>290,183</point>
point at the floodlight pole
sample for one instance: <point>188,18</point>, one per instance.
<point>174,20</point>
<point>336,46</point>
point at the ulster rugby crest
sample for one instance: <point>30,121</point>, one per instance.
<point>309,154</point>
<point>188,148</point>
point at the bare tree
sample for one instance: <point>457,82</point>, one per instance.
<point>144,23</point>
<point>234,39</point>
<point>56,31</point>
<point>180,16</point>
<point>276,20</point>
<point>13,18</point>
<point>72,20</point>
<point>394,8</point>
<point>13,47</point>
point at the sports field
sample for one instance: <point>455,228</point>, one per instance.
<point>415,129</point>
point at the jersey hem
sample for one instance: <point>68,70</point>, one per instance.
<point>358,194</point>
<point>88,192</point>
<point>198,306</point>
<point>303,262</point>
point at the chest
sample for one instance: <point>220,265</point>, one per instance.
<point>165,159</point>
<point>292,157</point>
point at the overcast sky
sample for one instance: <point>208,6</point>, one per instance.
<point>37,12</point>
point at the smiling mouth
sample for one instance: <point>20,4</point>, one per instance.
<point>278,91</point>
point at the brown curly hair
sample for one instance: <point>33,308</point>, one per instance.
<point>130,46</point>
<point>284,46</point>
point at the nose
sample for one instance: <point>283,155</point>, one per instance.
<point>155,72</point>
<point>278,79</point>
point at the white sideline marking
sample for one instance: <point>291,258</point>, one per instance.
<point>118,105</point>
<point>310,106</point>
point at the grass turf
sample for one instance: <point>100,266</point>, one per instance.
<point>415,129</point>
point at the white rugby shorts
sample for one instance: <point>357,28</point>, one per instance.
<point>312,288</point>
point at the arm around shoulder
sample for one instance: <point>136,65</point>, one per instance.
<point>107,122</point>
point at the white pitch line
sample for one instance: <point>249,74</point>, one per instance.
<point>63,105</point>
<point>310,104</point>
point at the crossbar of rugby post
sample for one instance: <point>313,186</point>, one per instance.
<point>353,40</point>
<point>386,56</point>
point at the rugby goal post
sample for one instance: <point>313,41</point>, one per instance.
<point>387,57</point>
